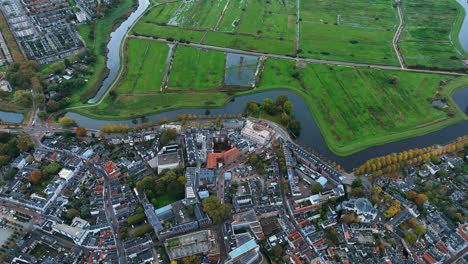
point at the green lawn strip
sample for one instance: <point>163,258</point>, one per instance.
<point>135,50</point>
<point>197,69</point>
<point>131,106</point>
<point>161,13</point>
<point>251,43</point>
<point>167,32</point>
<point>153,67</point>
<point>164,200</point>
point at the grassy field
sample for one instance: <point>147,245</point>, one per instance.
<point>195,69</point>
<point>429,23</point>
<point>146,66</point>
<point>358,31</point>
<point>356,108</point>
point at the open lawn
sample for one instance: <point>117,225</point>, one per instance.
<point>145,67</point>
<point>358,31</point>
<point>355,107</point>
<point>429,23</point>
<point>197,69</point>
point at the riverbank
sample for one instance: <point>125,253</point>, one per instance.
<point>97,44</point>
<point>456,28</point>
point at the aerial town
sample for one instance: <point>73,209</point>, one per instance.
<point>235,191</point>
<point>233,132</point>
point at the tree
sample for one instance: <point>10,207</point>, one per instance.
<point>53,168</point>
<point>66,121</point>
<point>193,259</point>
<point>23,98</point>
<point>420,199</point>
<point>42,115</point>
<point>168,135</point>
<point>412,222</point>
<point>72,213</point>
<point>80,132</point>
<point>277,251</point>
<point>316,188</point>
<point>24,143</point>
<point>356,183</point>
<point>349,218</point>
<point>281,100</point>
<point>268,106</point>
<point>217,211</point>
<point>287,107</point>
<point>411,238</point>
<point>358,192</point>
<point>35,177</point>
<point>419,230</point>
<point>251,108</point>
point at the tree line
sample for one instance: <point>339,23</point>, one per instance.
<point>392,163</point>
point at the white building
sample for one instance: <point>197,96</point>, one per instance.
<point>66,174</point>
<point>256,133</point>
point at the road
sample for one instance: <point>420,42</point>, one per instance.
<point>285,57</point>
<point>396,37</point>
<point>111,218</point>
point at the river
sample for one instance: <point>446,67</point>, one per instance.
<point>463,35</point>
<point>11,117</point>
<point>310,133</point>
<point>113,55</point>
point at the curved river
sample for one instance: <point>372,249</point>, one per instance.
<point>113,55</point>
<point>310,134</point>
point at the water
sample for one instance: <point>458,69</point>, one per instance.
<point>461,99</point>
<point>113,57</point>
<point>244,76</point>
<point>310,133</point>
<point>11,117</point>
<point>463,35</point>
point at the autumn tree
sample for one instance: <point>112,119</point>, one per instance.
<point>35,177</point>
<point>420,199</point>
<point>80,132</point>
<point>215,209</point>
<point>419,230</point>
<point>24,142</point>
<point>66,121</point>
<point>193,259</point>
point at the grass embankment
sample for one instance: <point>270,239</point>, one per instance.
<point>96,36</point>
<point>425,40</point>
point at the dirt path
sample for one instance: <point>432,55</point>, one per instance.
<point>397,36</point>
<point>216,28</point>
